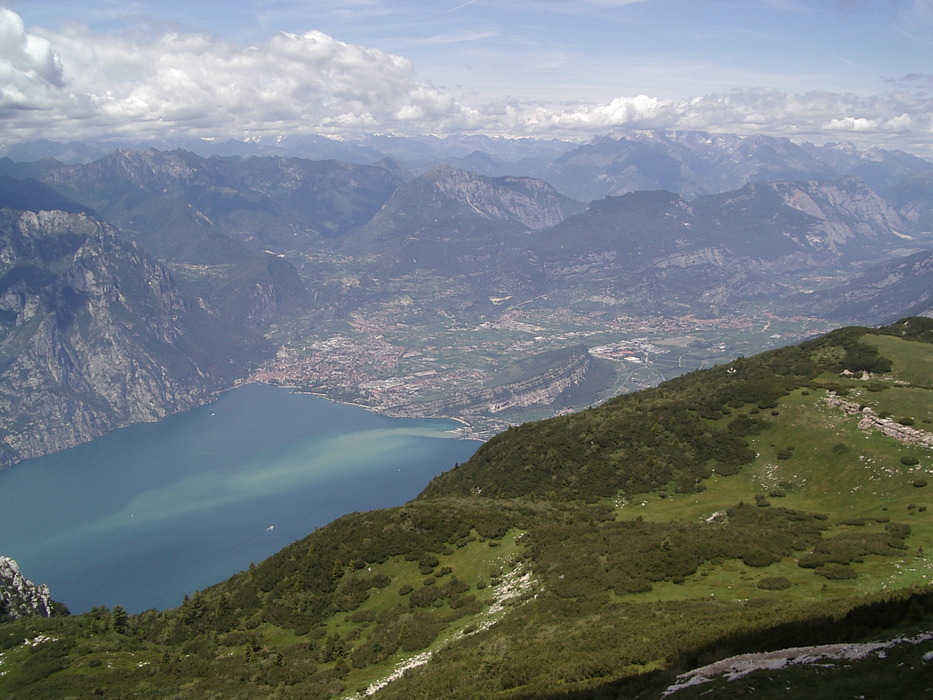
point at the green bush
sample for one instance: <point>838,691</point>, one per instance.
<point>835,572</point>
<point>759,558</point>
<point>422,629</point>
<point>774,583</point>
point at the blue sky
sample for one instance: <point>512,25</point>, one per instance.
<point>809,69</point>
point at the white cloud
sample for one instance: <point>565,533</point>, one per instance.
<point>815,115</point>
<point>199,84</point>
<point>852,124</point>
<point>77,83</point>
<point>900,124</point>
<point>293,81</point>
<point>641,112</point>
<point>30,72</point>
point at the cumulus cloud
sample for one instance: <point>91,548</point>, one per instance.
<point>30,72</point>
<point>818,115</point>
<point>641,112</point>
<point>78,84</point>
<point>201,85</point>
<point>292,81</point>
<point>852,124</point>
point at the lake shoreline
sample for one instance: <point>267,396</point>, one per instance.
<point>154,511</point>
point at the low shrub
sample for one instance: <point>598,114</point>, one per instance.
<point>774,583</point>
<point>835,572</point>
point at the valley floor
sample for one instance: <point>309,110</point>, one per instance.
<point>393,357</point>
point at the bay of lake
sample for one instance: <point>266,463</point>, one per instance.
<point>155,511</point>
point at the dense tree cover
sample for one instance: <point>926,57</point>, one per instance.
<point>597,617</point>
<point>629,555</point>
<point>917,328</point>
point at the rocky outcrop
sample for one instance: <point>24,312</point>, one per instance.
<point>824,655</point>
<point>870,420</point>
<point>523,200</point>
<point>20,597</point>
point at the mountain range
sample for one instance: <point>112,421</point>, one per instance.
<point>299,249</point>
<point>686,162</point>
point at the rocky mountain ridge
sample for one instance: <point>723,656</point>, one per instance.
<point>655,249</point>
<point>849,213</point>
<point>692,163</point>
<point>526,201</point>
<point>279,203</point>
<point>697,163</point>
<point>446,201</point>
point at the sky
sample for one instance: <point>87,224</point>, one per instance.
<point>810,70</point>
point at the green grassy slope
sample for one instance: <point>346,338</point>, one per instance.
<point>728,511</point>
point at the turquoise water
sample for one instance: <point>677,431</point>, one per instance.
<point>151,512</point>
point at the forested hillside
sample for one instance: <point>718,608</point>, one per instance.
<point>776,501</point>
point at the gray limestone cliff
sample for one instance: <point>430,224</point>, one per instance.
<point>94,334</point>
<point>20,597</point>
<point>522,200</point>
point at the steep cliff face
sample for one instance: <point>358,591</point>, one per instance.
<point>850,213</point>
<point>94,334</point>
<point>20,597</point>
<point>913,199</point>
<point>822,222</point>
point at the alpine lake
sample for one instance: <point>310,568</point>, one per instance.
<point>154,511</point>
